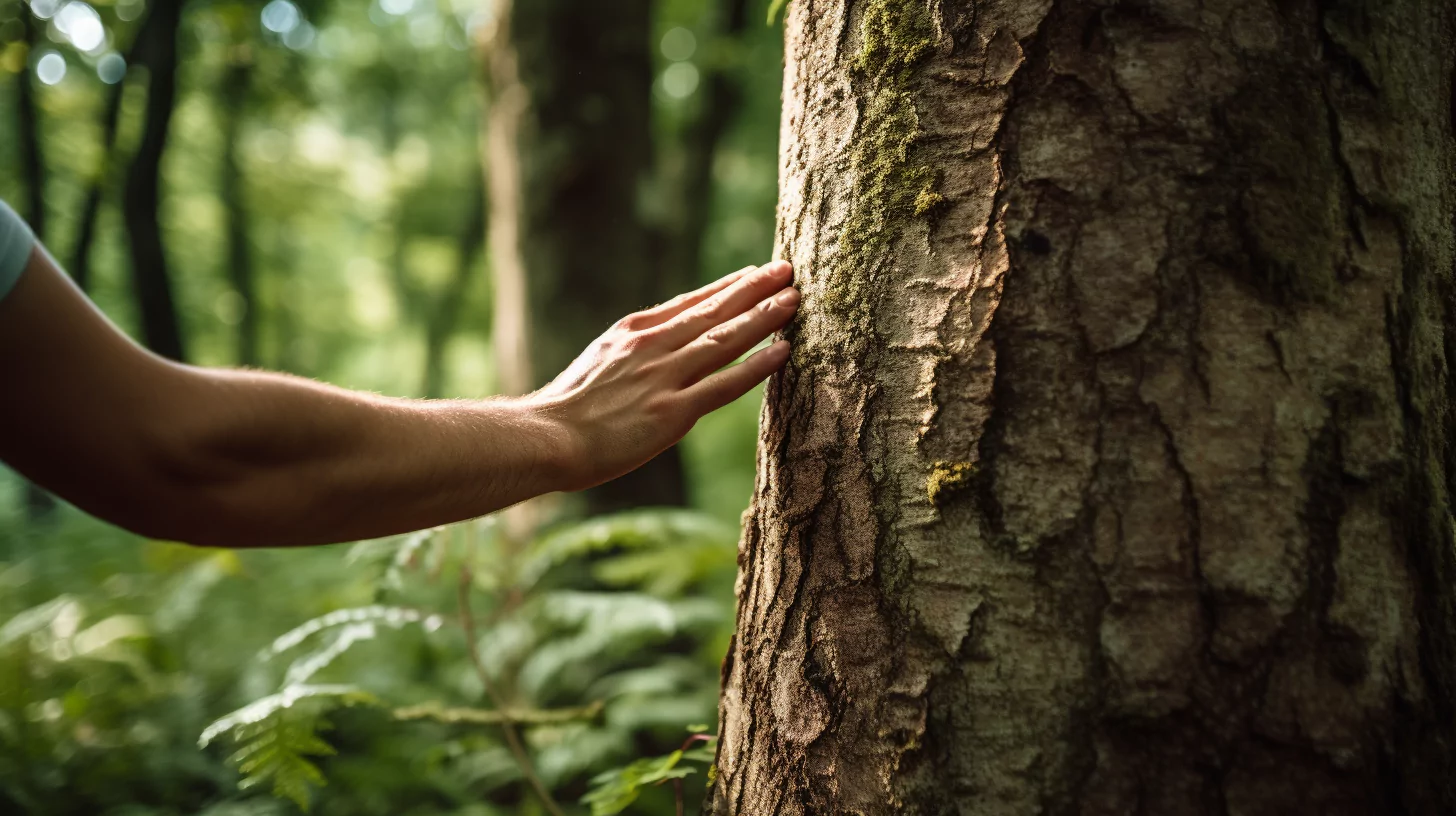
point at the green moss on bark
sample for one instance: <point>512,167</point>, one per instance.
<point>947,478</point>
<point>897,36</point>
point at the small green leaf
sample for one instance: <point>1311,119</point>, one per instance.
<point>776,7</point>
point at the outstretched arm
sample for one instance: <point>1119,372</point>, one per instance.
<point>244,458</point>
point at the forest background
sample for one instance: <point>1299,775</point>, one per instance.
<point>320,212</point>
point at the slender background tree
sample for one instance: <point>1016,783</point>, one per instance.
<point>141,196</point>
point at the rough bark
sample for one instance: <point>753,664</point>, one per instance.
<point>141,196</point>
<point>1112,472</point>
<point>569,147</point>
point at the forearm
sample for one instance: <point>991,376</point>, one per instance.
<point>273,460</point>
<point>237,458</point>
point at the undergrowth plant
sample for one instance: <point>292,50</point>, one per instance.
<point>585,643</point>
<point>453,671</point>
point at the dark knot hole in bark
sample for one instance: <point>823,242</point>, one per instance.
<point>1036,243</point>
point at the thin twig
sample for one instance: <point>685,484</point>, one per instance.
<point>677,783</point>
<point>508,728</point>
<point>476,716</point>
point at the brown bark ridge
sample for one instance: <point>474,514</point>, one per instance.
<point>1112,472</point>
<point>568,143</point>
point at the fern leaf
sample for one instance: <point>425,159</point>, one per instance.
<point>265,707</point>
<point>395,617</point>
<point>276,751</point>
<point>638,529</point>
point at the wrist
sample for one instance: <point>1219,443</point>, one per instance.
<point>558,449</point>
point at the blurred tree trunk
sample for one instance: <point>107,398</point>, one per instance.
<point>445,316</point>
<point>1113,469</point>
<point>101,178</point>
<point>27,120</point>
<point>569,147</point>
<point>409,295</point>
<point>236,86</point>
<point>141,197</point>
<point>38,503</point>
<point>690,193</point>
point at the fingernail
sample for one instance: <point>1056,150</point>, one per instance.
<point>788,297</point>
<point>779,349</point>
<point>781,269</point>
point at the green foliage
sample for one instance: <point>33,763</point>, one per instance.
<point>614,790</point>
<point>276,750</point>
<point>602,637</point>
<point>358,153</point>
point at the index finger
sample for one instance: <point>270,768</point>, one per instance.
<point>663,312</point>
<point>732,301</point>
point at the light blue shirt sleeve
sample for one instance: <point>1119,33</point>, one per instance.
<point>16,242</point>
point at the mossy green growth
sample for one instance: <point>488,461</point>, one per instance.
<point>897,36</point>
<point>946,478</point>
<point>928,200</point>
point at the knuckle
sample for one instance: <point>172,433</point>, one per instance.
<point>631,343</point>
<point>714,309</point>
<point>718,335</point>
<point>631,322</point>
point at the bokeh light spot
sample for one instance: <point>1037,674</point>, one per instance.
<point>51,68</point>
<point>680,80</point>
<point>81,25</point>
<point>44,9</point>
<point>111,68</point>
<point>300,36</point>
<point>229,307</point>
<point>396,7</point>
<point>679,44</point>
<point>280,16</point>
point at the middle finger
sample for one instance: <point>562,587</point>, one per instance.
<point>733,301</point>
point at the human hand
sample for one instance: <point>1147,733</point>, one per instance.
<point>641,386</point>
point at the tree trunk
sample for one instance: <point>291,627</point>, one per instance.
<point>102,175</point>
<point>27,127</point>
<point>444,316</point>
<point>690,195</point>
<point>237,81</point>
<point>141,198</point>
<point>1112,470</point>
<point>568,140</point>
<point>38,503</point>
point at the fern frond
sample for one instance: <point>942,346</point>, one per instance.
<point>265,707</point>
<point>276,751</point>
<point>637,529</point>
<point>395,617</point>
<point>37,618</point>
